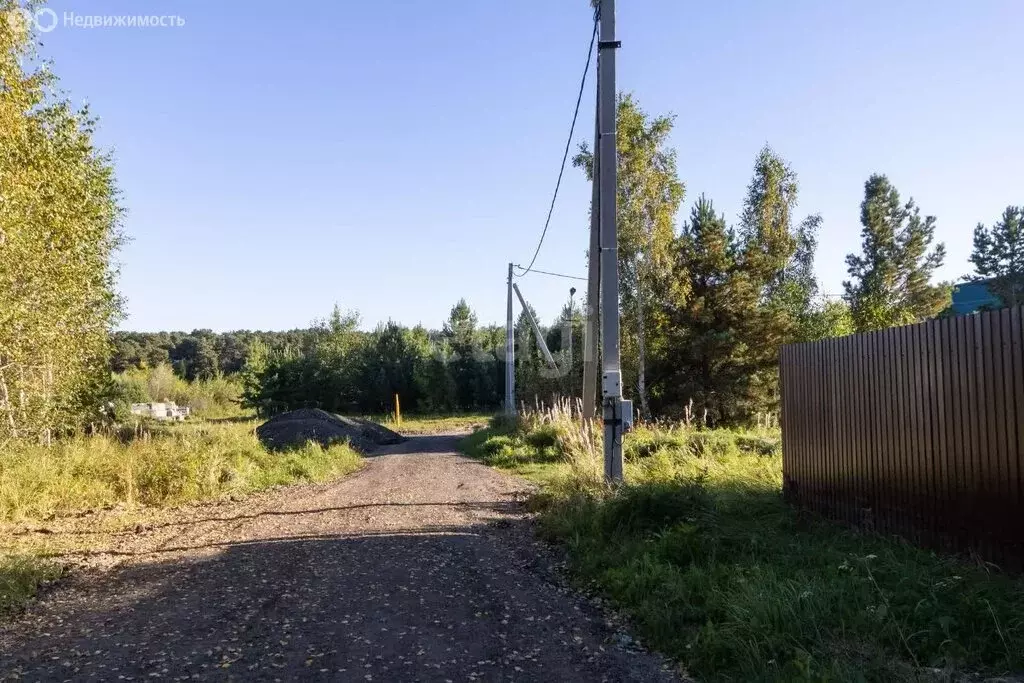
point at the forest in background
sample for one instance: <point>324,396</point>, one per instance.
<point>706,306</point>
<point>706,303</point>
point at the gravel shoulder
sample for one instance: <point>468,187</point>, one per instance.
<point>420,567</point>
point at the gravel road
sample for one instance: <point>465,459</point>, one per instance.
<point>420,567</point>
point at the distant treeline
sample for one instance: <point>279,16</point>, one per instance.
<point>335,366</point>
<point>199,354</point>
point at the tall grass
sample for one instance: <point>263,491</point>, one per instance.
<point>429,423</point>
<point>21,577</point>
<point>170,465</point>
<point>209,398</point>
<point>718,572</point>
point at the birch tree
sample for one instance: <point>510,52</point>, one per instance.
<point>59,227</point>
<point>649,194</point>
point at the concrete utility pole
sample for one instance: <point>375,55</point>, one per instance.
<point>510,354</point>
<point>593,275</point>
<point>618,414</point>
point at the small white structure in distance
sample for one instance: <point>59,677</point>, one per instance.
<point>162,411</point>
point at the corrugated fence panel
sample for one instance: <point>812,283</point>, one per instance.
<point>915,430</point>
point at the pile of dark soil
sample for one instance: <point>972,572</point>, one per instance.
<point>293,429</point>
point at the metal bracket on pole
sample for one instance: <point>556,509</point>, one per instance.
<point>548,358</point>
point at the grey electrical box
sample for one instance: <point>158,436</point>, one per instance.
<point>626,407</point>
<point>611,384</point>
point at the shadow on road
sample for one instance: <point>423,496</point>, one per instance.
<point>473,601</point>
<point>422,444</point>
<point>502,507</point>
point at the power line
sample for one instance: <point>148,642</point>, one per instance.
<point>544,272</point>
<point>565,155</point>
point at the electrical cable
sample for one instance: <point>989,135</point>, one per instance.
<point>545,272</point>
<point>565,155</point>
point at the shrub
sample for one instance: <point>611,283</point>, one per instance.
<point>215,397</point>
<point>712,444</point>
<point>545,436</point>
<point>130,387</point>
<point>496,445</point>
<point>644,442</point>
<point>758,445</point>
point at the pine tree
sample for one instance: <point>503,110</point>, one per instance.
<point>254,381</point>
<point>891,279</point>
<point>775,272</point>
<point>769,243</point>
<point>998,255</point>
<point>705,358</point>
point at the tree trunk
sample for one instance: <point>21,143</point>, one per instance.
<point>5,401</point>
<point>641,375</point>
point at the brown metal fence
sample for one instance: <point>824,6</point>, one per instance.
<point>916,431</point>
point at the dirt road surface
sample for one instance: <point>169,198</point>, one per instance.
<point>420,567</point>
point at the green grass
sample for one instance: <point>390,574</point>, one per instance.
<point>21,577</point>
<point>433,424</point>
<point>718,572</point>
<point>500,449</point>
<point>170,465</point>
<point>167,466</point>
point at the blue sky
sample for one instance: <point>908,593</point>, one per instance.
<point>395,156</point>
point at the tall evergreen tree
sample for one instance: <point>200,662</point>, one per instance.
<point>705,358</point>
<point>775,272</point>
<point>470,365</point>
<point>766,221</point>
<point>461,324</point>
<point>891,278</point>
<point>998,255</point>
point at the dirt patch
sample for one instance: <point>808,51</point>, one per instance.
<point>295,428</point>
